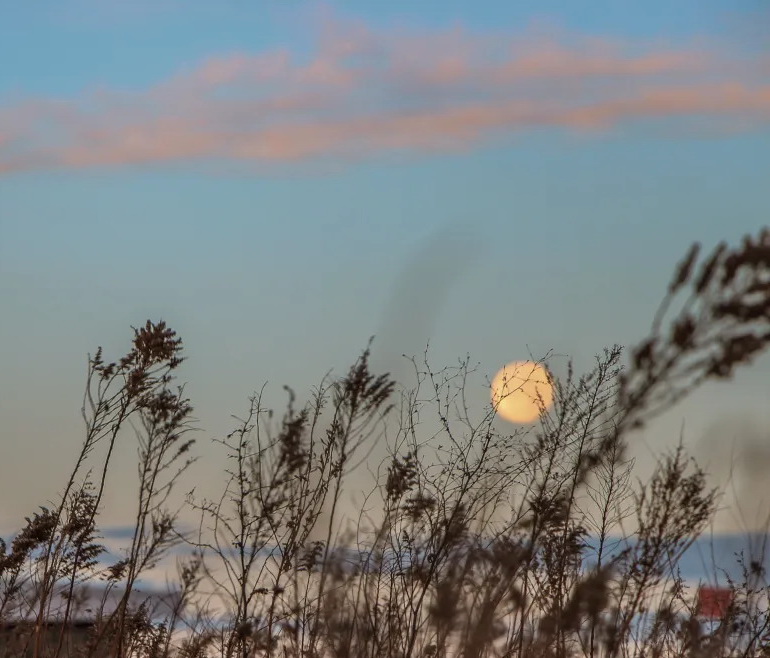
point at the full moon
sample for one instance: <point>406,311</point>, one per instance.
<point>520,390</point>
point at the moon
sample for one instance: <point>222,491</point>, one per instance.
<point>520,390</point>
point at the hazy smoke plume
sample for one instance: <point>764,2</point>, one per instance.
<point>419,293</point>
<point>736,454</point>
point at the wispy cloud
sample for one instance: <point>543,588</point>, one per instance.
<point>364,92</point>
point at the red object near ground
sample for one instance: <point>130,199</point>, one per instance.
<point>714,602</point>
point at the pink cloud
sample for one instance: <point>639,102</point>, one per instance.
<point>363,92</point>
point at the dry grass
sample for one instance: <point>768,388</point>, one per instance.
<point>472,542</point>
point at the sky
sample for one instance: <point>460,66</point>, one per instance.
<point>280,181</point>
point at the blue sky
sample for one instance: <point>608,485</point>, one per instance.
<point>282,180</point>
